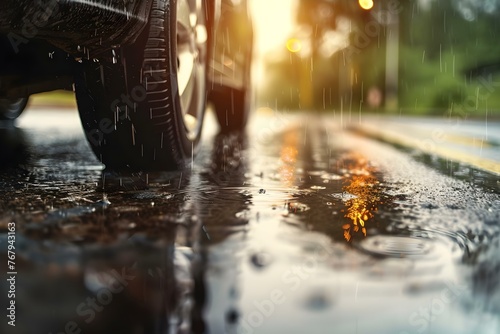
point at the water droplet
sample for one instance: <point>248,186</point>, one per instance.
<point>104,201</point>
<point>344,196</point>
<point>232,316</point>
<point>420,287</point>
<point>297,207</point>
<point>317,301</point>
<point>331,177</point>
<point>262,191</point>
<point>260,260</point>
<point>242,214</point>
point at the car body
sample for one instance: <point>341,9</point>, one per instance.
<point>48,45</point>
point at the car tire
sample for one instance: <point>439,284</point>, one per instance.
<point>10,109</point>
<point>143,108</point>
<point>232,107</point>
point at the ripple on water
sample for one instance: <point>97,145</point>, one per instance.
<point>396,246</point>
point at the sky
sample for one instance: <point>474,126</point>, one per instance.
<point>273,21</point>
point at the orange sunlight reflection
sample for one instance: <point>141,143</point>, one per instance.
<point>288,158</point>
<point>365,197</point>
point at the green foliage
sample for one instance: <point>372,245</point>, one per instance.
<point>441,54</point>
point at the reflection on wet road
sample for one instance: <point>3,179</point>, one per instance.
<point>298,226</point>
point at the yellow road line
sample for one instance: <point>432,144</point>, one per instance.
<point>431,147</point>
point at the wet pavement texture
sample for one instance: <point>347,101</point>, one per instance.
<point>297,226</point>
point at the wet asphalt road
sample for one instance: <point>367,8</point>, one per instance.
<point>298,226</point>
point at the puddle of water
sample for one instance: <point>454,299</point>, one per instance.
<point>366,249</point>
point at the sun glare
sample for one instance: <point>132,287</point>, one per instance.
<point>273,22</point>
<point>366,4</point>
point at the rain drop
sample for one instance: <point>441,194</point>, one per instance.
<point>260,260</point>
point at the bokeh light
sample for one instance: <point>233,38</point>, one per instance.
<point>366,4</point>
<point>294,45</point>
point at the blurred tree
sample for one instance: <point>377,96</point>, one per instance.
<point>447,56</point>
<point>332,72</point>
<point>450,56</point>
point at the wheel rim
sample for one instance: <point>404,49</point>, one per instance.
<point>191,58</point>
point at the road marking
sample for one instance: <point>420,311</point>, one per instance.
<point>378,132</point>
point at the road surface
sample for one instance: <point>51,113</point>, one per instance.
<point>305,224</point>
